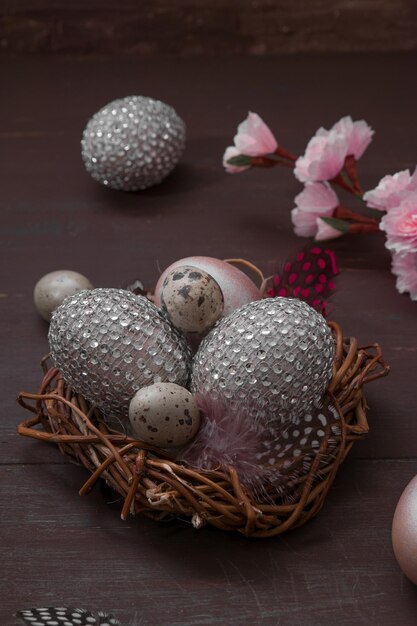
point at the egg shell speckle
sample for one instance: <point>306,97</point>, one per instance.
<point>237,288</point>
<point>404,531</point>
<point>52,289</point>
<point>192,299</point>
<point>165,415</point>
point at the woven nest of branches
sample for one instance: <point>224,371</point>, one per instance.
<point>153,484</point>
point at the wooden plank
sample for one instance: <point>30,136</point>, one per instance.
<point>61,549</point>
<point>200,28</point>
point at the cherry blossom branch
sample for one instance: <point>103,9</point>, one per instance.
<point>330,160</point>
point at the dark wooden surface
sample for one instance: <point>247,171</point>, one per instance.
<point>198,27</point>
<point>58,548</point>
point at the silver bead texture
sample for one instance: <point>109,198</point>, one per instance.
<point>273,357</point>
<point>108,343</point>
<point>133,143</point>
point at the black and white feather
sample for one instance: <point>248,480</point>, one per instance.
<point>66,616</point>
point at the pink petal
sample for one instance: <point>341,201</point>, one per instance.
<point>325,231</point>
<point>254,137</point>
<point>304,223</point>
<point>316,199</point>
<point>412,186</point>
<point>358,135</point>
<point>391,190</point>
<point>360,138</point>
<point>404,266</point>
<point>323,159</point>
<point>400,225</point>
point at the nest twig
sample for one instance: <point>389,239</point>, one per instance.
<point>152,483</point>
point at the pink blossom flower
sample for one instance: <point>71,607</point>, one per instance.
<point>400,225</point>
<point>315,201</point>
<point>254,137</point>
<point>231,152</point>
<point>358,135</point>
<point>391,190</point>
<point>404,266</point>
<point>323,158</point>
<point>325,231</point>
<point>327,150</point>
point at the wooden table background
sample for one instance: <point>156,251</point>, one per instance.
<point>60,549</point>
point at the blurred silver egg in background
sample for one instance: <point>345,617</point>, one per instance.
<point>133,143</point>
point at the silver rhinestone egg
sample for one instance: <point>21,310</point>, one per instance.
<point>108,343</point>
<point>272,356</point>
<point>133,143</point>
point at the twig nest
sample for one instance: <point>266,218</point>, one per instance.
<point>108,343</point>
<point>164,415</point>
<point>274,357</point>
<point>52,289</point>
<point>237,288</point>
<point>192,299</point>
<point>133,143</point>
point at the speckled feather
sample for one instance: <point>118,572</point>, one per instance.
<point>66,616</point>
<point>269,459</point>
<point>309,276</point>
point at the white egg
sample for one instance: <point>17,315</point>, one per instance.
<point>52,289</point>
<point>165,415</point>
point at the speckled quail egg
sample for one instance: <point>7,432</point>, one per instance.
<point>52,289</point>
<point>192,299</point>
<point>165,415</point>
<point>237,288</point>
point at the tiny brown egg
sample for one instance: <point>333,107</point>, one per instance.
<point>192,299</point>
<point>165,415</point>
<point>404,531</point>
<point>52,289</point>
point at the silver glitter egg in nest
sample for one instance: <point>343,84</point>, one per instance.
<point>108,343</point>
<point>272,356</point>
<point>133,143</point>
